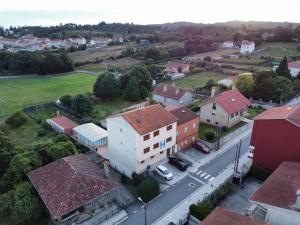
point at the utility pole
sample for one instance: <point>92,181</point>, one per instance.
<point>145,208</point>
<point>237,176</point>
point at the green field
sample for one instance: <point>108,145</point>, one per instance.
<point>277,50</point>
<point>197,80</point>
<point>21,92</point>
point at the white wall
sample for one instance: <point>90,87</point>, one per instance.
<point>294,71</point>
<point>185,100</point>
<point>245,49</point>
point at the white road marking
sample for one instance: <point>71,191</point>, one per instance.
<point>197,179</point>
<point>198,172</point>
<point>207,177</point>
<point>203,174</point>
<point>211,179</point>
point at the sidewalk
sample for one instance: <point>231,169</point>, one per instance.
<point>180,212</point>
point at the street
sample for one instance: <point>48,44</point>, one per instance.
<point>185,187</point>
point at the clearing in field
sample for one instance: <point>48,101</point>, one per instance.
<point>18,93</point>
<point>197,80</point>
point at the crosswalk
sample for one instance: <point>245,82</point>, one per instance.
<point>203,175</point>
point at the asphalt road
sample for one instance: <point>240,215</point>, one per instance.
<point>183,188</point>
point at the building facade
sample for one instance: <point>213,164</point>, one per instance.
<point>140,138</point>
<point>177,67</point>
<point>228,44</point>
<point>225,109</point>
<point>275,137</point>
<point>294,68</point>
<point>247,47</point>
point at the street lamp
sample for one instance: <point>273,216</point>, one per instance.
<point>145,208</point>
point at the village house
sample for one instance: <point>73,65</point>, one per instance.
<point>228,44</point>
<point>247,47</point>
<point>79,41</point>
<point>187,126</point>
<point>222,216</point>
<point>140,138</point>
<point>75,189</point>
<point>171,95</point>
<point>99,41</point>
<point>275,137</point>
<point>224,109</point>
<point>177,67</point>
<point>279,196</point>
<point>294,68</point>
<point>62,124</point>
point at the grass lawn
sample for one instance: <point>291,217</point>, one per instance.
<point>245,60</point>
<point>278,50</point>
<point>196,80</point>
<point>21,92</point>
<point>204,126</point>
<point>253,112</point>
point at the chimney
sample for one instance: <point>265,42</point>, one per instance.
<point>58,114</point>
<point>177,91</point>
<point>106,168</point>
<point>297,204</point>
<point>165,88</point>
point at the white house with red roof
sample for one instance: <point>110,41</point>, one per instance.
<point>224,109</point>
<point>294,68</point>
<point>247,47</point>
<point>171,95</point>
<point>279,196</point>
<point>140,138</point>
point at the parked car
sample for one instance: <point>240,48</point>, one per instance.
<point>164,172</point>
<point>200,146</point>
<point>179,163</point>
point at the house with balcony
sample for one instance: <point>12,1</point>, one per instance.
<point>140,138</point>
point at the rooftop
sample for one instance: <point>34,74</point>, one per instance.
<point>68,183</point>
<point>182,114</point>
<point>222,216</point>
<point>169,91</point>
<point>149,118</point>
<point>295,64</point>
<point>281,187</point>
<point>246,42</point>
<point>91,131</point>
<point>289,113</point>
<point>64,122</point>
<point>176,64</point>
<point>231,101</point>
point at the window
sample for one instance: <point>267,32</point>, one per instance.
<point>146,150</point>
<point>237,113</point>
<point>155,145</point>
<point>156,133</point>
<point>208,120</point>
<point>213,113</point>
<point>194,125</point>
<point>152,156</point>
<point>169,139</point>
<point>169,127</point>
<point>121,130</point>
<point>185,129</point>
<point>232,115</point>
<point>161,152</point>
<point>142,161</point>
<point>214,106</point>
<point>146,137</point>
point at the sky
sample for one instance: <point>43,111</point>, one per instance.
<point>54,12</point>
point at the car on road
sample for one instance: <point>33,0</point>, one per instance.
<point>200,146</point>
<point>181,164</point>
<point>164,172</point>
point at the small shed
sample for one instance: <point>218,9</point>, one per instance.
<point>62,124</point>
<point>90,135</point>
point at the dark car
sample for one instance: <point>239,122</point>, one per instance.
<point>179,163</point>
<point>200,146</point>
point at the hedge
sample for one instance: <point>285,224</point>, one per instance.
<point>148,189</point>
<point>259,172</point>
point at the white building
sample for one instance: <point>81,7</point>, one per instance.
<point>90,135</point>
<point>294,68</point>
<point>79,41</point>
<point>228,44</point>
<point>247,47</point>
<point>140,138</point>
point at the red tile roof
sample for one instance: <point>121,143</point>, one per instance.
<point>182,114</point>
<point>231,101</point>
<point>169,91</point>
<point>64,122</point>
<point>176,65</point>
<point>246,42</point>
<point>295,64</point>
<point>289,113</point>
<point>149,118</point>
<point>225,217</point>
<point>281,187</point>
<point>68,183</point>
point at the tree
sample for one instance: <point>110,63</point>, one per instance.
<point>142,75</point>
<point>265,89</point>
<point>107,86</point>
<point>6,202</point>
<point>132,92</point>
<point>143,92</point>
<point>26,208</point>
<point>153,53</point>
<point>284,88</point>
<point>209,134</point>
<point>82,104</point>
<point>61,149</point>
<point>17,119</point>
<point>245,84</point>
<point>283,69</point>
<point>148,189</point>
<point>200,211</point>
<point>67,101</point>
<point>7,152</point>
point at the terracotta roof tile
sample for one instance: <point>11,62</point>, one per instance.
<point>225,217</point>
<point>149,118</point>
<point>182,114</point>
<point>231,101</point>
<point>281,187</point>
<point>295,64</point>
<point>64,122</point>
<point>68,183</point>
<point>169,91</point>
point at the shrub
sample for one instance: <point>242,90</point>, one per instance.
<point>4,128</point>
<point>259,172</point>
<point>224,129</point>
<point>136,179</point>
<point>66,100</point>
<point>209,134</point>
<point>148,189</point>
<point>17,119</point>
<point>200,211</point>
<point>124,179</point>
<point>194,107</point>
<point>41,133</point>
<point>46,126</point>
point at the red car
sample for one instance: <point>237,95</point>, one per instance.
<point>200,146</point>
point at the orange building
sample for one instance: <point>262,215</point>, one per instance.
<point>187,126</point>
